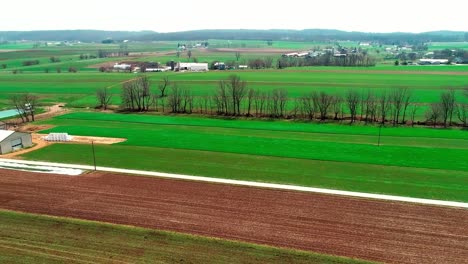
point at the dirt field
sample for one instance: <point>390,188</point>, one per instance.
<point>368,229</point>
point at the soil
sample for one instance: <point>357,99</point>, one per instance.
<point>362,228</point>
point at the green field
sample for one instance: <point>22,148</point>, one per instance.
<point>448,45</point>
<point>418,162</point>
<point>44,239</point>
<point>78,89</point>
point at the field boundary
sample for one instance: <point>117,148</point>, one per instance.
<point>247,183</point>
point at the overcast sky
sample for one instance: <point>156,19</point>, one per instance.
<point>181,15</point>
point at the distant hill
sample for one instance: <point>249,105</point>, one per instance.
<point>70,35</point>
<point>246,34</point>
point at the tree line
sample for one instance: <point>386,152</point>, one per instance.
<point>329,59</point>
<point>233,97</point>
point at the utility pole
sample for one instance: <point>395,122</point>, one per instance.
<point>94,154</point>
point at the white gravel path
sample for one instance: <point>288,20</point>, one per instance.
<point>243,183</point>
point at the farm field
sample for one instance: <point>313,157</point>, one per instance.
<point>320,155</point>
<point>342,226</point>
<point>76,241</point>
<point>144,219</point>
<point>78,89</point>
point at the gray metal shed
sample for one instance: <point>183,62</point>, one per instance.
<point>11,141</point>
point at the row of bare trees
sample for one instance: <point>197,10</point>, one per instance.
<point>233,97</point>
<point>328,59</point>
<point>448,110</point>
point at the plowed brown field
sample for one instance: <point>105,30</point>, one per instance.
<point>367,229</point>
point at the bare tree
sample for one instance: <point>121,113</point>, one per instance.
<point>189,54</point>
<point>163,84</point>
<point>336,106</point>
<point>369,106</point>
<point>447,106</point>
<point>103,97</point>
<point>16,101</point>
<point>268,62</point>
<point>238,55</point>
<point>25,104</point>
<point>237,90</point>
<point>383,107</point>
<point>175,99</point>
<point>259,102</point>
<point>398,97</point>
<point>221,98</point>
<point>283,97</point>
<point>406,102</point>
<point>462,113</point>
<point>413,110</point>
<point>323,102</point>
<point>250,96</point>
<point>352,101</point>
<point>308,105</point>
<point>433,113</point>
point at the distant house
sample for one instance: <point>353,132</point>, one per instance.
<point>190,66</point>
<point>292,54</point>
<point>459,60</point>
<point>219,66</point>
<point>340,55</point>
<point>243,67</point>
<point>122,66</point>
<point>11,141</point>
<point>433,61</point>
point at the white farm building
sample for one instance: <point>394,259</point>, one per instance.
<point>433,61</point>
<point>122,66</point>
<point>11,141</point>
<point>191,66</point>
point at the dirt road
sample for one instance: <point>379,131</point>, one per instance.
<point>375,230</point>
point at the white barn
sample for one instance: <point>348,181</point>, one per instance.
<point>11,141</point>
<point>122,66</point>
<point>191,66</point>
<point>433,61</point>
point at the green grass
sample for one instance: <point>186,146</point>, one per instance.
<point>77,90</point>
<point>448,45</point>
<point>28,238</point>
<point>53,87</point>
<point>417,162</point>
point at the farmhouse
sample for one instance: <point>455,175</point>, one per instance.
<point>292,54</point>
<point>122,66</point>
<point>187,66</point>
<point>433,61</point>
<point>11,141</point>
